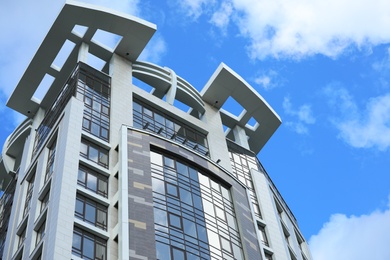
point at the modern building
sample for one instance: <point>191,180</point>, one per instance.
<point>107,165</point>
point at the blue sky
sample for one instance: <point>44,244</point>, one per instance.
<point>324,67</point>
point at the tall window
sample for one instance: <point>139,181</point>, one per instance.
<point>40,233</point>
<point>22,237</point>
<point>88,246</point>
<point>44,201</point>
<point>93,181</point>
<point>263,235</point>
<point>91,212</point>
<point>30,188</point>
<point>95,92</point>
<point>50,160</point>
<point>242,162</point>
<point>94,153</point>
<point>155,121</point>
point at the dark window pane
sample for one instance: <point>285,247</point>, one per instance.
<point>172,189</point>
<point>182,169</point>
<point>76,243</point>
<point>163,251</point>
<point>92,182</point>
<point>177,254</point>
<point>175,221</point>
<point>93,154</point>
<point>79,207</point>
<point>185,196</point>
<point>189,227</point>
<point>90,213</point>
<point>88,247</point>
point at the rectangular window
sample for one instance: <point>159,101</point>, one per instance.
<point>40,233</point>
<point>30,189</point>
<point>93,181</point>
<point>88,246</point>
<point>150,119</point>
<point>91,212</point>
<point>94,153</point>
<point>94,91</point>
<point>50,161</point>
<point>263,235</point>
<point>22,237</point>
<point>44,201</point>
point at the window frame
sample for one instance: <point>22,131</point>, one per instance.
<point>86,235</point>
<point>88,173</point>
<point>97,206</point>
<point>101,152</point>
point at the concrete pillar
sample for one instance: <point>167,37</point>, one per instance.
<point>240,136</point>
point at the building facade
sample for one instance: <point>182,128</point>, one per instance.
<point>108,165</point>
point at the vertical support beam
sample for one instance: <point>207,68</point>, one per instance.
<point>240,136</point>
<point>83,53</point>
<point>123,211</point>
<point>171,94</point>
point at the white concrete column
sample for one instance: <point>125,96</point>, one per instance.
<point>240,136</point>
<point>171,94</point>
<point>83,53</point>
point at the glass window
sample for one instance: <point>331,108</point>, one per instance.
<point>189,228</point>
<point>163,251</point>
<point>153,120</point>
<point>93,181</point>
<point>185,196</point>
<point>50,160</point>
<point>175,221</point>
<point>94,153</point>
<point>22,237</point>
<point>225,244</point>
<point>44,201</point>
<point>178,254</point>
<point>91,212</point>
<point>30,188</point>
<point>96,99</point>
<point>172,190</point>
<point>88,246</point>
<point>263,235</point>
<point>40,233</point>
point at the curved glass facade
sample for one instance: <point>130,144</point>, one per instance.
<point>194,216</point>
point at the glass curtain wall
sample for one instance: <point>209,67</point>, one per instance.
<point>194,215</point>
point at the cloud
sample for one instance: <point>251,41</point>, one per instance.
<point>221,17</point>
<point>155,50</point>
<point>382,69</point>
<point>300,28</point>
<point>267,80</point>
<point>303,116</point>
<point>368,128</point>
<point>354,237</point>
<point>194,8</point>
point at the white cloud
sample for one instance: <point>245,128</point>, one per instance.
<point>155,50</point>
<point>354,237</point>
<point>303,116</point>
<point>194,8</point>
<point>368,128</point>
<point>221,18</point>
<point>299,28</point>
<point>267,80</point>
